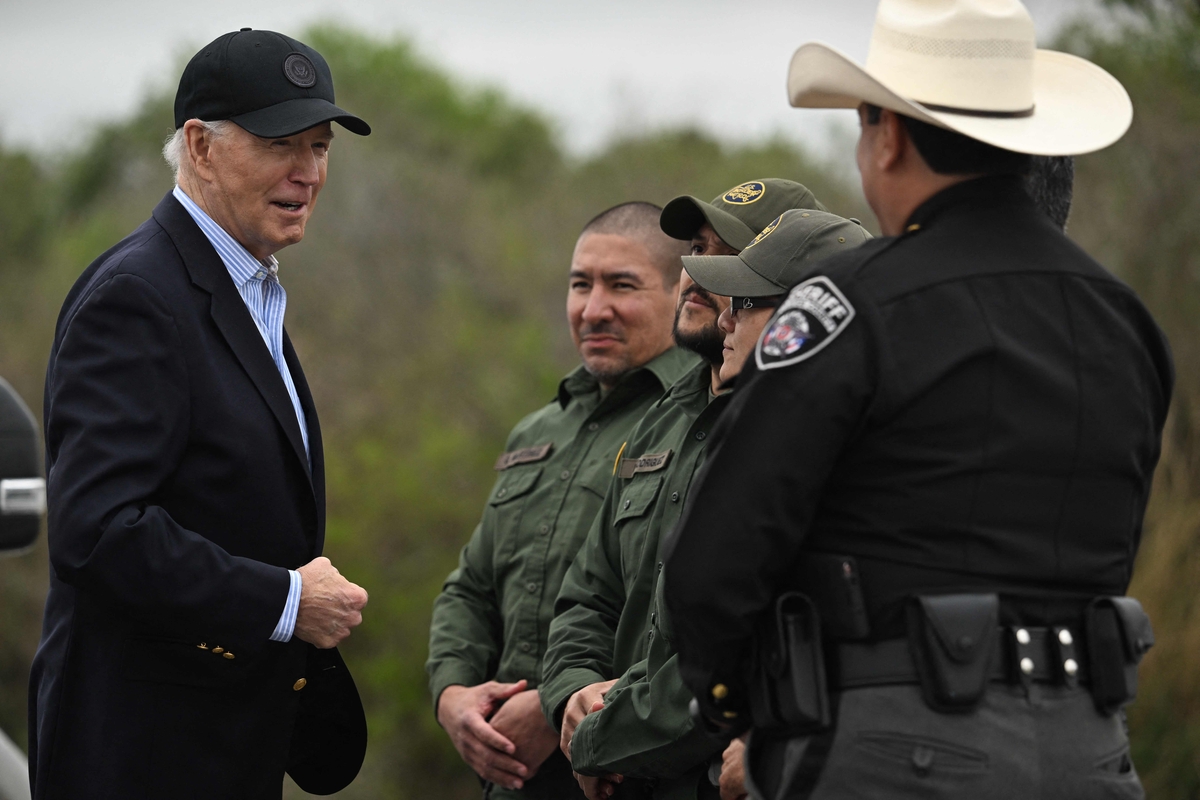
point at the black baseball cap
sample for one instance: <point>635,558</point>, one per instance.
<point>267,83</point>
<point>739,214</point>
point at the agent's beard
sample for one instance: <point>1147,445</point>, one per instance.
<point>709,341</point>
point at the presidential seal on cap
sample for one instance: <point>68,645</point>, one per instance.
<point>266,83</point>
<point>775,260</point>
<point>738,214</point>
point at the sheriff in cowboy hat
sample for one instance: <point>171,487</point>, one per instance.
<point>904,570</point>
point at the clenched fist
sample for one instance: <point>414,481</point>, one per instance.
<point>330,605</point>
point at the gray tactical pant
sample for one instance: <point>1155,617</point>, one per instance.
<point>888,743</point>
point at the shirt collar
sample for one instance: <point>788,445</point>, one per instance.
<point>242,266</point>
<point>986,190</point>
<point>664,369</point>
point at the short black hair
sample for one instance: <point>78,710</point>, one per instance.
<point>950,153</point>
<point>1051,183</point>
<point>638,220</point>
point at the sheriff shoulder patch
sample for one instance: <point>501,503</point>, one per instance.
<point>526,455</point>
<point>814,313</point>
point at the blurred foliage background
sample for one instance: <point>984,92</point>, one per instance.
<point>427,305</point>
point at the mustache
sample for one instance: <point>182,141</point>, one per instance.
<point>698,295</point>
<point>604,329</point>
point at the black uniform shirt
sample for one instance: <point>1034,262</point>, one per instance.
<point>984,416</point>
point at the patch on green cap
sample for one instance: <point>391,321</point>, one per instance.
<point>745,194</point>
<point>765,232</point>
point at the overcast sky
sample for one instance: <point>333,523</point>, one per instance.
<point>594,68</point>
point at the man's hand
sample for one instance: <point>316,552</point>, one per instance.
<point>463,712</point>
<point>598,788</point>
<point>733,771</point>
<point>584,702</point>
<point>330,605</point>
<point>521,721</point>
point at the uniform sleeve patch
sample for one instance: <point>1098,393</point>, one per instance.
<point>814,313</point>
<point>526,455</point>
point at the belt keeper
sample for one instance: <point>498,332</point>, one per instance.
<point>1065,656</point>
<point>1024,655</point>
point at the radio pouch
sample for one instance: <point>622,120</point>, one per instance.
<point>787,669</point>
<point>953,638</point>
<point>1118,635</point>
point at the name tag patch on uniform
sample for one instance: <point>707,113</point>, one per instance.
<point>651,462</point>
<point>526,455</point>
<point>814,313</point>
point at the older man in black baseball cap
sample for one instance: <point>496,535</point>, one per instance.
<point>189,641</point>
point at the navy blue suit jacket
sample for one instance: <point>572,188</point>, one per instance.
<point>179,495</point>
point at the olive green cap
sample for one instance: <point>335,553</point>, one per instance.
<point>739,214</point>
<point>778,257</point>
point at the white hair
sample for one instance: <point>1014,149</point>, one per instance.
<point>175,148</point>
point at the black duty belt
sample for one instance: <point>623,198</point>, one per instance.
<point>1021,654</point>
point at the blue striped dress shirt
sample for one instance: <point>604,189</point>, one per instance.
<point>258,284</point>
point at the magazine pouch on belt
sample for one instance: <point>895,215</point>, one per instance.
<point>953,639</point>
<point>787,669</point>
<point>1118,635</point>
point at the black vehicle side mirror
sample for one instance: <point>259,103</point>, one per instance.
<point>22,487</point>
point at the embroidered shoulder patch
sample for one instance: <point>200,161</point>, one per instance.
<point>651,462</point>
<point>814,313</point>
<point>526,455</point>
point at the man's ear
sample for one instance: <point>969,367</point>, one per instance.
<point>892,142</point>
<point>199,149</point>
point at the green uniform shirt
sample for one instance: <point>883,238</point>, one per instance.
<point>493,616</point>
<point>604,618</point>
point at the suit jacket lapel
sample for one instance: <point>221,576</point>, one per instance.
<point>315,446</point>
<point>231,316</point>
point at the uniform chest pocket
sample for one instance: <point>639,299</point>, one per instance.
<point>513,485</point>
<point>504,511</point>
<point>637,498</point>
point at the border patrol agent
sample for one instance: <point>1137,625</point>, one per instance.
<point>905,560</point>
<point>605,625</point>
<point>491,621</point>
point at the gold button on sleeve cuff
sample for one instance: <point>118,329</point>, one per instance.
<point>299,684</point>
<point>229,655</point>
<point>720,691</point>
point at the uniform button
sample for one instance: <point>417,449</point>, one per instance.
<point>501,493</point>
<point>626,504</point>
<point>674,497</point>
<point>700,436</point>
<point>660,566</point>
<point>531,586</point>
<point>1023,636</point>
<point>1064,636</point>
<point>526,647</point>
<point>595,426</point>
<point>229,656</point>
<point>566,473</point>
<point>218,650</point>
<point>299,684</point>
<point>203,645</point>
<point>544,529</point>
<point>720,691</point>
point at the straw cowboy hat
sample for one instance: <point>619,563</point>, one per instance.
<point>971,66</point>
